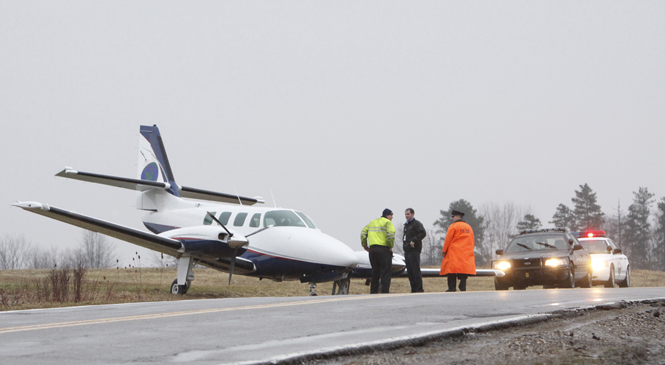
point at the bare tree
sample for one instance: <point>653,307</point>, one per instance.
<point>162,260</point>
<point>95,251</point>
<point>39,258</point>
<point>399,233</point>
<point>500,225</point>
<point>432,247</point>
<point>13,252</point>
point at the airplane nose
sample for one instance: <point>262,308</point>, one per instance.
<point>325,249</point>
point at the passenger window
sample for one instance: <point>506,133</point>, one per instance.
<point>207,220</point>
<point>240,219</point>
<point>224,218</point>
<point>256,220</point>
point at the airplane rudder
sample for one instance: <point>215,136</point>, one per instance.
<point>153,163</point>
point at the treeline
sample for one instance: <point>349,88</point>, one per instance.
<point>94,251</point>
<point>639,230</point>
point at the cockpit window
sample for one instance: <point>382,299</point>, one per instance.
<point>538,242</point>
<point>282,218</point>
<point>302,215</point>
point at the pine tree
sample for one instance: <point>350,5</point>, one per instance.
<point>529,222</point>
<point>477,223</point>
<point>587,212</point>
<point>638,233</point>
<point>564,217</point>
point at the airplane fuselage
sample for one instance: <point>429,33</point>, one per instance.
<point>291,249</point>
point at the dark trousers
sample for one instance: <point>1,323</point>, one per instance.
<point>412,260</point>
<point>381,259</point>
<point>452,280</point>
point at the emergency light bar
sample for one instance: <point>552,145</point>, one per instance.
<point>592,233</point>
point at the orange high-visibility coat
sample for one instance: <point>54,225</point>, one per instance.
<point>458,249</point>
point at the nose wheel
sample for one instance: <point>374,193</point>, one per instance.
<point>179,289</point>
<point>312,286</point>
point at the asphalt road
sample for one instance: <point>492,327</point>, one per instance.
<point>254,330</point>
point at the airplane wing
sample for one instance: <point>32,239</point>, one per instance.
<point>144,239</point>
<point>143,185</point>
<point>479,272</point>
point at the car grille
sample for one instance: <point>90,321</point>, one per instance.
<point>526,263</point>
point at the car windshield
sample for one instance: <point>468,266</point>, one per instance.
<point>537,242</point>
<point>595,246</point>
<point>282,218</point>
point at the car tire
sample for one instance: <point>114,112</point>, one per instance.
<point>626,282</point>
<point>500,286</point>
<point>587,281</point>
<point>570,281</point>
<point>611,283</point>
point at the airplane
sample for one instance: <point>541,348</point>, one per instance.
<point>285,243</point>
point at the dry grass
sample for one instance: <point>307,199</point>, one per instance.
<point>24,289</point>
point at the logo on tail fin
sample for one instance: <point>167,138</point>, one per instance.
<point>150,172</point>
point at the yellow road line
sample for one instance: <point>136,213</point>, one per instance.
<point>182,313</point>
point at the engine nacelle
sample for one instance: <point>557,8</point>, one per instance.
<point>211,240</point>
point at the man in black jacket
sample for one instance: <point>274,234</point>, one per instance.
<point>414,232</point>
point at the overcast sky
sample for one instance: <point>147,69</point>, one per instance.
<point>340,108</point>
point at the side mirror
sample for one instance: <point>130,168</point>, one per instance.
<point>616,250</point>
<point>499,252</point>
<point>577,247</point>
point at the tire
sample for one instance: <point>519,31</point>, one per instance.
<point>499,286</point>
<point>587,282</point>
<point>179,289</point>
<point>611,283</point>
<point>626,282</point>
<point>570,281</point>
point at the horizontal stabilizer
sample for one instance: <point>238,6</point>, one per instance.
<point>143,185</point>
<point>144,239</point>
<point>193,193</point>
<point>120,182</point>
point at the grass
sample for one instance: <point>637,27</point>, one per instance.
<point>27,289</point>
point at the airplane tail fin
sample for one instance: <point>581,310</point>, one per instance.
<point>153,164</point>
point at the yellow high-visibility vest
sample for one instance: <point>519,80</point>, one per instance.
<point>380,231</point>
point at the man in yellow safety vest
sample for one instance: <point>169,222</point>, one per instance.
<point>378,238</point>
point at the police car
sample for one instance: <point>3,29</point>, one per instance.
<point>610,265</point>
<point>551,257</point>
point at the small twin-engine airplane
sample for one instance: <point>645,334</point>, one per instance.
<point>285,243</point>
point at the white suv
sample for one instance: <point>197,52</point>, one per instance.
<point>610,266</point>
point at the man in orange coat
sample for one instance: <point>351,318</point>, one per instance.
<point>458,258</point>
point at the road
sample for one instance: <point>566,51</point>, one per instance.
<point>255,330</point>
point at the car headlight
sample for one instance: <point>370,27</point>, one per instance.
<point>555,262</point>
<point>598,264</point>
<point>503,265</point>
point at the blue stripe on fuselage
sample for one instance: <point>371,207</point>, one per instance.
<point>271,266</point>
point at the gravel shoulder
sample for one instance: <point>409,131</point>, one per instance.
<point>628,333</point>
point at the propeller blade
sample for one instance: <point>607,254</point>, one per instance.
<point>255,232</point>
<point>233,265</point>
<point>220,223</point>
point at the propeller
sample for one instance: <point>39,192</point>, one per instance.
<point>235,249</point>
